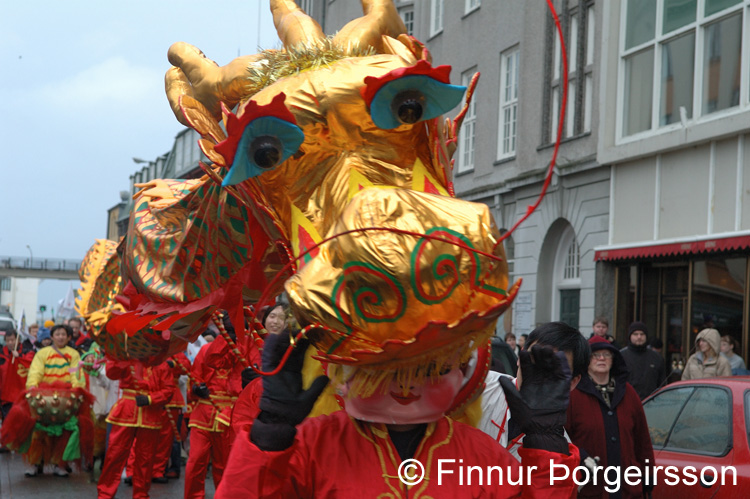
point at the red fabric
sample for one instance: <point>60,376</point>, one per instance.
<point>17,425</point>
<point>335,456</point>
<point>587,431</point>
<point>136,378</point>
<point>205,445</point>
<point>246,408</point>
<point>14,372</point>
<point>120,442</point>
<point>217,367</point>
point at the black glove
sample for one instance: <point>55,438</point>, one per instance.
<point>142,400</point>
<point>170,363</point>
<point>201,391</point>
<point>248,374</point>
<point>540,408</point>
<point>284,404</point>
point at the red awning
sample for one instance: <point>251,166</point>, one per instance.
<point>674,248</point>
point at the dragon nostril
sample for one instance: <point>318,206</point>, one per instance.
<point>266,151</point>
<point>408,106</point>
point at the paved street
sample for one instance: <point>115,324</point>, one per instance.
<point>14,485</point>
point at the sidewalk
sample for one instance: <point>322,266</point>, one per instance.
<point>14,485</point>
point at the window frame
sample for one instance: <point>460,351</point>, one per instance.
<point>468,8</point>
<point>434,6</point>
<point>656,44</point>
<point>581,56</point>
<point>512,103</point>
<point>402,11</point>
<point>468,125</point>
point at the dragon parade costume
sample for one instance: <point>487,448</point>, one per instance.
<point>330,178</point>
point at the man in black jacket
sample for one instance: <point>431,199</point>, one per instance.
<point>646,366</point>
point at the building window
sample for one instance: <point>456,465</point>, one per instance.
<point>578,24</point>
<point>472,5</point>
<point>407,15</point>
<point>567,279</point>
<point>681,60</point>
<point>506,144</point>
<point>467,135</point>
<point>5,284</point>
<point>572,268</point>
<point>436,17</point>
<point>307,6</point>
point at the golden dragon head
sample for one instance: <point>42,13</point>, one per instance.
<point>333,169</point>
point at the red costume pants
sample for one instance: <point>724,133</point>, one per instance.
<point>163,447</point>
<point>120,441</point>
<point>204,445</point>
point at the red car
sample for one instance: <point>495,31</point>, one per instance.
<point>700,431</point>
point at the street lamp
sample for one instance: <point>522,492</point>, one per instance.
<point>31,256</point>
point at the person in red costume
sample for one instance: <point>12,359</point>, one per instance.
<point>178,365</point>
<point>138,416</point>
<point>245,410</point>
<point>346,454</point>
<point>216,372</point>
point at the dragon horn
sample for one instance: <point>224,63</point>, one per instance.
<point>294,26</point>
<point>381,18</point>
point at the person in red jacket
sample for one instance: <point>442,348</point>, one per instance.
<point>170,430</point>
<point>606,420</point>
<point>139,413</point>
<point>358,453</point>
<point>217,377</point>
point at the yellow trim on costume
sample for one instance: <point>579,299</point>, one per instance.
<point>431,451</point>
<point>383,467</point>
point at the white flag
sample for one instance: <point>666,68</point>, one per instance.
<point>23,330</point>
<point>67,306</point>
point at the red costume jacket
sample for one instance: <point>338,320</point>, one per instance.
<point>337,456</point>
<point>136,379</point>
<point>216,366</point>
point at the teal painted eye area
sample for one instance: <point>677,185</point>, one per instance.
<point>411,99</point>
<point>266,143</point>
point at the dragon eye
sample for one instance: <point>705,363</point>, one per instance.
<point>408,95</point>
<point>267,142</point>
<point>259,138</point>
<point>408,106</point>
<point>266,151</point>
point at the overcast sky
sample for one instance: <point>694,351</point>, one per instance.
<point>81,94</point>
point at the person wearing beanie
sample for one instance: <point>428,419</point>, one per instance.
<point>706,361</point>
<point>43,338</point>
<point>646,366</point>
<point>606,420</point>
